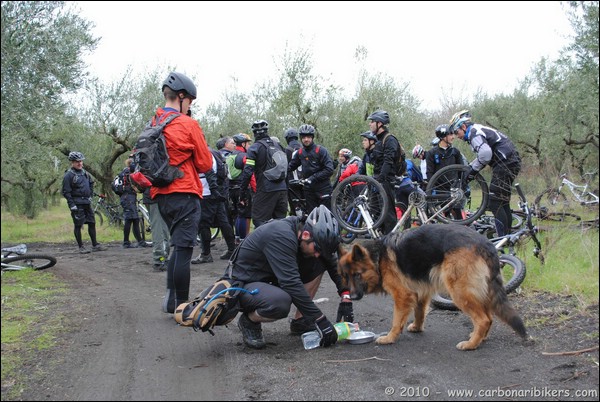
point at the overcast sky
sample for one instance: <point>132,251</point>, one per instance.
<point>424,43</point>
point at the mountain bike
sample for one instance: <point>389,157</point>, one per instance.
<point>298,199</point>
<point>112,212</point>
<point>512,268</point>
<point>361,209</point>
<point>16,259</point>
<point>558,205</point>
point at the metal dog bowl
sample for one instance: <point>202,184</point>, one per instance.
<point>361,337</point>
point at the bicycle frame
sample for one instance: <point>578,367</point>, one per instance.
<point>112,212</point>
<point>144,215</point>
<point>579,191</point>
<point>296,194</point>
<point>418,200</point>
<point>298,198</point>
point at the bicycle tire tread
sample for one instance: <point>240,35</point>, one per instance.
<point>50,261</point>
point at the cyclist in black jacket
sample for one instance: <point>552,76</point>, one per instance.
<point>130,212</point>
<point>493,148</point>
<point>78,188</point>
<point>291,136</point>
<point>270,201</point>
<point>385,162</point>
<point>317,168</point>
<point>444,154</point>
<point>268,261</point>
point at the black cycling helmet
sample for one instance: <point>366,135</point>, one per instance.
<point>290,133</point>
<point>442,130</point>
<point>306,129</point>
<point>240,138</point>
<point>76,156</point>
<point>381,116</point>
<point>369,135</point>
<point>260,127</point>
<point>179,82</point>
<point>324,229</point>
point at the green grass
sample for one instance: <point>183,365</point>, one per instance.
<point>571,263</point>
<point>30,324</point>
<point>52,226</point>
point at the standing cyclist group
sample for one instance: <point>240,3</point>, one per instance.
<point>284,256</point>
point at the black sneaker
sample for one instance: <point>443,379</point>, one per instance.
<point>202,259</point>
<point>83,250</point>
<point>226,255</point>
<point>129,245</point>
<point>159,267</point>
<point>251,333</point>
<point>301,325</point>
<point>99,247</point>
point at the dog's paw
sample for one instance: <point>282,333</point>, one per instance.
<point>385,340</point>
<point>413,328</point>
<point>466,345</point>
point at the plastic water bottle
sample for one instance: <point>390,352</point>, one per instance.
<point>312,339</point>
<point>345,329</point>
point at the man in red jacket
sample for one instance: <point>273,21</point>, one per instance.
<point>179,202</point>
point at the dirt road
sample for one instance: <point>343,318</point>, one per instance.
<point>122,347</point>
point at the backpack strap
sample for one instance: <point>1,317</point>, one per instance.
<point>165,118</point>
<point>317,149</point>
<point>233,258</point>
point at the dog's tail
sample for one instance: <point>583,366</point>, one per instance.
<point>502,307</point>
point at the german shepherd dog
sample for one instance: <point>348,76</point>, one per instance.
<point>414,264</point>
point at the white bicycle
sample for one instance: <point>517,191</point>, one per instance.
<point>16,259</point>
<point>554,204</point>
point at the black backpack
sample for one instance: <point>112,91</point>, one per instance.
<point>276,169</point>
<point>222,169</point>
<point>151,158</point>
<point>401,162</point>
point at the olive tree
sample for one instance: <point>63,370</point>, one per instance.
<point>43,44</point>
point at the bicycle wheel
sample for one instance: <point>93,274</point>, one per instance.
<point>554,206</point>
<point>513,274</point>
<point>355,191</point>
<point>99,217</point>
<point>450,196</point>
<point>214,233</point>
<point>518,219</point>
<point>34,261</point>
<point>142,226</point>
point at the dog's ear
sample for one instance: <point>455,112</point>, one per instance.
<point>358,252</point>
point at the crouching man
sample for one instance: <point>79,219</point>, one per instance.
<point>268,260</point>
